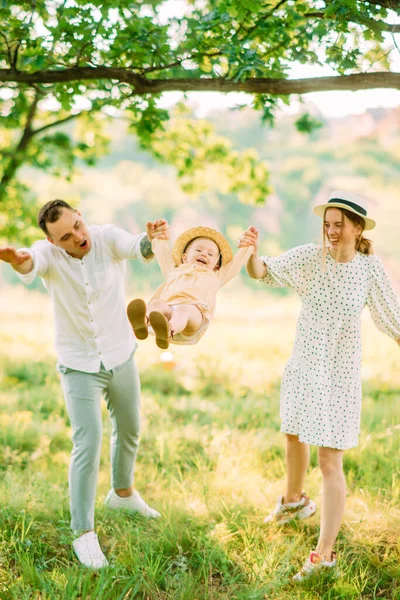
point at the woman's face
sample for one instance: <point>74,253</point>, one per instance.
<point>340,230</point>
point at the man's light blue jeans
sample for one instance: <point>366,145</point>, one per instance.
<point>120,388</point>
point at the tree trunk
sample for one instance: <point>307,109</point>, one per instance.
<point>17,157</point>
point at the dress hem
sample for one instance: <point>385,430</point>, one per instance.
<point>305,441</point>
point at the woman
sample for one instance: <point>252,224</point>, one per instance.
<point>321,385</point>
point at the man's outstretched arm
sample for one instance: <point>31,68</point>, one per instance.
<point>19,260</point>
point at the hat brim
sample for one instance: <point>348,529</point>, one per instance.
<point>199,232</point>
<point>321,208</point>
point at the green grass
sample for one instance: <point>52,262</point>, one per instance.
<point>211,460</point>
<point>213,463</point>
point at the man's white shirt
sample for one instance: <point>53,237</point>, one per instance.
<point>88,294</point>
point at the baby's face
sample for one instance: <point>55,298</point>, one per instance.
<point>202,251</point>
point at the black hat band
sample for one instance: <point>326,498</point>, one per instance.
<point>356,207</point>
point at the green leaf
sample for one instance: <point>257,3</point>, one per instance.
<point>307,124</point>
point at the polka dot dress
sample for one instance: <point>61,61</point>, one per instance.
<point>321,385</point>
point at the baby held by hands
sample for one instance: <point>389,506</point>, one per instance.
<point>181,309</point>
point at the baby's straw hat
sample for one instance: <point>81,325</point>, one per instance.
<point>349,201</point>
<point>202,232</point>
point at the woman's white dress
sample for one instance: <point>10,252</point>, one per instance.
<point>321,386</point>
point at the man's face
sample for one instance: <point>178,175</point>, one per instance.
<point>70,233</point>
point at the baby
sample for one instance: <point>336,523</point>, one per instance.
<point>181,309</point>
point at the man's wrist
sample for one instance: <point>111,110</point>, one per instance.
<point>146,248</point>
<point>23,268</point>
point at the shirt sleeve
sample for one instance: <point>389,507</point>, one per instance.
<point>124,245</point>
<point>163,255</point>
<point>229,271</point>
<point>41,260</point>
<point>382,301</point>
<point>291,269</point>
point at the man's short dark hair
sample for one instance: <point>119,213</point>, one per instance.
<point>51,212</point>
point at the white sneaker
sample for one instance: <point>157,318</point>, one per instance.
<point>314,564</point>
<point>88,551</point>
<point>283,513</point>
<point>133,503</point>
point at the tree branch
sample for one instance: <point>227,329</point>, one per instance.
<point>371,23</point>
<point>262,85</point>
<point>241,26</point>
<point>16,157</point>
<point>15,57</point>
<point>178,63</point>
<point>265,17</point>
<point>276,7</point>
<point>56,123</point>
<point>8,53</point>
<point>389,4</point>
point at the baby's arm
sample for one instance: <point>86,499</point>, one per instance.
<point>229,271</point>
<point>163,255</point>
<point>256,267</point>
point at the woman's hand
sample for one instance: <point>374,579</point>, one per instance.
<point>255,266</point>
<point>249,238</point>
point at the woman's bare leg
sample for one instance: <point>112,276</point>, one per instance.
<point>297,461</point>
<point>333,499</point>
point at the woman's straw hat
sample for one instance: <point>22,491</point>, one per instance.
<point>349,201</point>
<point>201,232</point>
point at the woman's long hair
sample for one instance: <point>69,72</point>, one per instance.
<point>363,244</point>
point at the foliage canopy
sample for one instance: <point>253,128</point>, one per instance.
<point>84,62</point>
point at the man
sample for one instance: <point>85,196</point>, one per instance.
<point>83,269</point>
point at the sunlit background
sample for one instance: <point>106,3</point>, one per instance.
<point>212,457</point>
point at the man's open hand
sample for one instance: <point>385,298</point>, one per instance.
<point>12,256</point>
